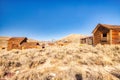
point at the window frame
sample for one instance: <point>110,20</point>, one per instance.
<point>104,35</point>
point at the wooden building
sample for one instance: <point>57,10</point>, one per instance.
<point>28,45</point>
<point>87,40</point>
<point>106,34</point>
<point>16,42</point>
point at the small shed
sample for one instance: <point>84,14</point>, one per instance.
<point>87,40</point>
<point>28,45</point>
<point>15,42</point>
<point>106,34</point>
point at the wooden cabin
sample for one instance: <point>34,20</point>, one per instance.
<point>16,42</point>
<point>28,45</point>
<point>87,40</point>
<point>106,34</point>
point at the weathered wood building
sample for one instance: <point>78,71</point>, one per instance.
<point>21,43</point>
<point>28,45</point>
<point>15,42</point>
<point>106,34</point>
<point>87,40</point>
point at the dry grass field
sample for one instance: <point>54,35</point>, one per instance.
<point>70,62</point>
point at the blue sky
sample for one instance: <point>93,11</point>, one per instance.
<point>54,19</point>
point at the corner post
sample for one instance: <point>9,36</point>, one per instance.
<point>110,36</point>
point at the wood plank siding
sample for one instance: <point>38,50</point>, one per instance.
<point>98,36</point>
<point>115,37</point>
<point>15,42</point>
<point>87,40</point>
<point>28,45</point>
<point>21,43</point>
<point>106,34</point>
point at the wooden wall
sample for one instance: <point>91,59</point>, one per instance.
<point>97,36</point>
<point>90,40</point>
<point>87,40</point>
<point>83,41</point>
<point>28,45</point>
<point>115,37</point>
<point>15,43</point>
<point>13,46</point>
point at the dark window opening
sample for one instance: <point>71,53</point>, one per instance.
<point>104,34</point>
<point>104,37</point>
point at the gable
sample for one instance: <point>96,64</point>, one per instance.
<point>17,40</point>
<point>106,26</point>
<point>103,29</point>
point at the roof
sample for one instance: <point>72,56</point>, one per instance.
<point>88,37</point>
<point>17,40</point>
<point>112,27</point>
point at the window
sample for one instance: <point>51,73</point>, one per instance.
<point>104,34</point>
<point>104,37</point>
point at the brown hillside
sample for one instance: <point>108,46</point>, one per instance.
<point>32,40</point>
<point>73,38</point>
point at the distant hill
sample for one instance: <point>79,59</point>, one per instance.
<point>73,37</point>
<point>4,38</point>
<point>3,41</point>
<point>32,40</point>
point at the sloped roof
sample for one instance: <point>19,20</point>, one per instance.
<point>87,37</point>
<point>17,40</point>
<point>113,27</point>
<point>75,38</point>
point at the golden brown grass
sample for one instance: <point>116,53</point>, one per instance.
<point>70,62</point>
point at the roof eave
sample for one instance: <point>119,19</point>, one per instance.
<point>96,28</point>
